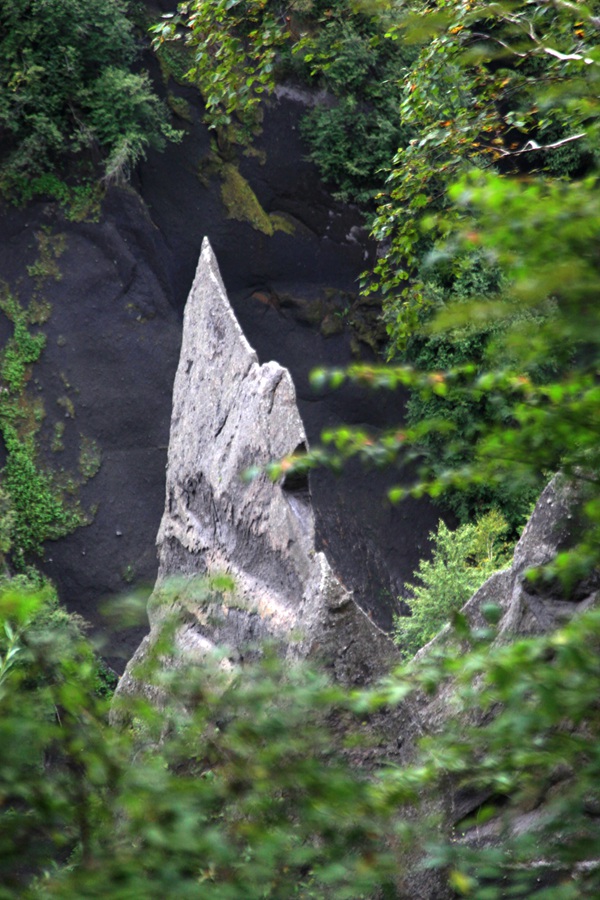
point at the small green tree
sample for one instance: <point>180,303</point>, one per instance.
<point>461,561</point>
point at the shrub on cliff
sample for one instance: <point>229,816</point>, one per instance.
<point>67,93</point>
<point>461,561</point>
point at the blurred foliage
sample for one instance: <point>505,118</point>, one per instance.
<point>494,86</point>
<point>508,91</point>
<point>523,736</point>
<point>461,561</point>
<point>234,789</point>
<point>249,784</point>
<point>68,99</point>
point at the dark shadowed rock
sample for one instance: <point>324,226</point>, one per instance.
<point>103,382</point>
<point>230,413</point>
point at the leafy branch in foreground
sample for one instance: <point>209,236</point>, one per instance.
<point>249,784</point>
<point>487,218</point>
<point>234,46</point>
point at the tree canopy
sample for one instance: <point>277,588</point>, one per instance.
<point>68,95</point>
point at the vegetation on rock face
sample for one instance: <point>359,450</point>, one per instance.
<point>68,100</point>
<point>461,561</point>
<point>34,507</point>
<point>346,50</point>
<point>239,49</point>
<point>234,51</point>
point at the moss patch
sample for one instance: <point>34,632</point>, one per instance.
<point>90,457</point>
<point>282,223</point>
<point>38,511</point>
<point>241,203</point>
<point>58,432</point>
<point>50,249</point>
<point>67,404</point>
<point>180,107</point>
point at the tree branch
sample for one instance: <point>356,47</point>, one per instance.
<point>533,146</point>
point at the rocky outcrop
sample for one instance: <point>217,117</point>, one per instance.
<point>231,413</point>
<point>526,608</point>
<point>530,608</point>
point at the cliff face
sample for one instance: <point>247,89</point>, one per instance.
<point>230,413</point>
<point>102,385</point>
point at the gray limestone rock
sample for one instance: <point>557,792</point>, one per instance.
<point>525,608</point>
<point>230,413</point>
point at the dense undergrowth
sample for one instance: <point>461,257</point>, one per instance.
<point>72,111</point>
<point>250,784</point>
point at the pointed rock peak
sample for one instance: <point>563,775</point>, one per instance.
<point>230,414</point>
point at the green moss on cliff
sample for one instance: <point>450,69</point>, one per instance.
<point>241,203</point>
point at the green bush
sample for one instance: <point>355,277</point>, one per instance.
<point>461,561</point>
<point>67,93</point>
<point>352,139</point>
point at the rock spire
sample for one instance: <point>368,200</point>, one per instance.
<point>230,413</point>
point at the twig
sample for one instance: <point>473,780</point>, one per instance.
<point>533,147</point>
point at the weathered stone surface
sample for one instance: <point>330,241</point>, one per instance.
<point>230,413</point>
